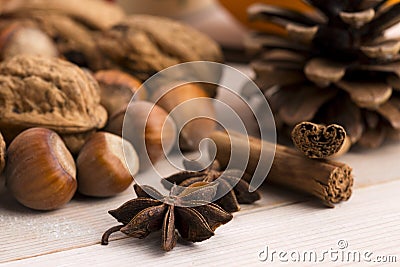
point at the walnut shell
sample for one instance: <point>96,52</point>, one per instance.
<point>146,44</point>
<point>50,93</point>
<point>73,40</point>
<point>2,154</point>
<point>97,14</point>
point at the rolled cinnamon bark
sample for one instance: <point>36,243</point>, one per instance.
<point>317,141</point>
<point>329,181</point>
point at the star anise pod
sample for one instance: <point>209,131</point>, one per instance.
<point>186,211</point>
<point>225,179</point>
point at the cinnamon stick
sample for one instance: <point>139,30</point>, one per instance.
<point>329,181</point>
<point>318,141</point>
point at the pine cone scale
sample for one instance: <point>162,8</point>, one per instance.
<point>334,65</point>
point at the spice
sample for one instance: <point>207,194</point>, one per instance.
<point>319,141</point>
<point>330,181</point>
<point>188,211</point>
<point>332,65</point>
<point>225,179</point>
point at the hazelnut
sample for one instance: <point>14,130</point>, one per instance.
<point>102,170</point>
<point>16,39</point>
<point>117,89</point>
<point>74,142</point>
<point>148,127</point>
<point>196,116</point>
<point>40,171</point>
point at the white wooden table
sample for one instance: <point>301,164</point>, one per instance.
<point>283,221</point>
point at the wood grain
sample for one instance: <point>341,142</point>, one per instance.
<point>298,227</point>
<point>283,220</point>
<point>79,224</point>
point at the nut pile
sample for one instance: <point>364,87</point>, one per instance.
<point>68,72</point>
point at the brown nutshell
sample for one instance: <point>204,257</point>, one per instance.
<point>50,93</point>
<point>148,127</point>
<point>2,154</point>
<point>18,38</point>
<point>143,45</point>
<point>117,89</point>
<point>196,116</point>
<point>102,171</point>
<point>40,171</point>
<point>74,41</point>
<point>96,14</point>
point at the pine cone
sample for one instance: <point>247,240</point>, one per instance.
<point>334,65</point>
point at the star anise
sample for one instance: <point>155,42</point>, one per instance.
<point>224,179</point>
<point>187,211</point>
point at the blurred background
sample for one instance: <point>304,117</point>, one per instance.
<point>224,20</point>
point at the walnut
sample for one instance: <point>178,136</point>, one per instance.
<point>73,40</point>
<point>2,155</point>
<point>50,93</point>
<point>144,45</point>
<point>71,24</point>
<point>96,14</point>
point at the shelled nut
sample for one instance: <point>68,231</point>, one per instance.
<point>102,169</point>
<point>40,171</point>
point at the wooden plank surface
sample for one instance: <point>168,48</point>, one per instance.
<point>81,223</point>
<point>368,223</point>
<point>70,236</point>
